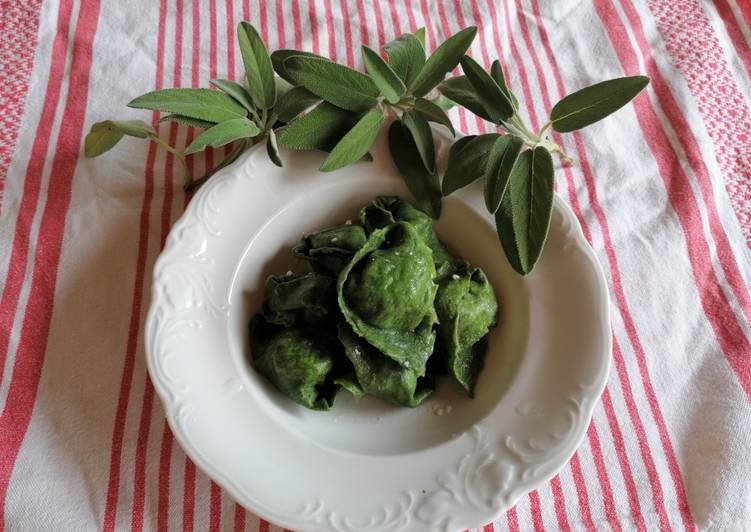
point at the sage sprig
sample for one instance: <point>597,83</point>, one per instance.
<point>302,101</point>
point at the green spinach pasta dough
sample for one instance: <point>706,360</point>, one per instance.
<point>385,310</point>
<point>467,309</point>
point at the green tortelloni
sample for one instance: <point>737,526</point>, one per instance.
<point>381,376</point>
<point>386,295</point>
<point>329,250</point>
<point>386,310</point>
<point>298,362</point>
<point>299,298</point>
<point>467,309</point>
<point>385,210</point>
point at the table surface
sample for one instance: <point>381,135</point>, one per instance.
<point>662,190</point>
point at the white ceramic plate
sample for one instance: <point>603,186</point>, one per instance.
<point>450,464</point>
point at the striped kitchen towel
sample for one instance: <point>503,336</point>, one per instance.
<point>662,190</point>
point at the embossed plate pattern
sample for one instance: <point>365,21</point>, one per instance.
<point>451,464</point>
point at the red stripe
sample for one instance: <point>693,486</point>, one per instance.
<point>314,27</point>
<point>215,509</point>
<point>394,18</point>
<point>165,456</point>
<point>189,495</point>
<point>297,24</point>
<point>239,518</point>
<point>263,526</point>
<point>745,8</point>
<point>411,15</point>
<point>15,419</point>
<point>280,35</point>
<point>213,36</point>
<point>230,9</point>
<point>19,24</point>
<point>581,493</point>
<point>534,508</point>
<point>246,10</point>
<point>364,37</point>
<point>264,21</point>
<point>733,28</point>
<point>512,520</point>
<point>602,476</point>
<point>628,477</point>
<point>328,13</point>
<point>32,183</point>
<point>139,475</point>
<point>165,460</point>
<point>347,23</point>
<point>126,381</point>
<point>379,24</point>
<point>560,503</point>
<point>195,61</point>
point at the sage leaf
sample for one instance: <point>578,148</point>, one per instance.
<point>223,133</point>
<point>337,84</point>
<point>356,143</point>
<point>488,92</point>
<point>467,161</point>
<point>496,72</point>
<point>433,113</point>
<point>282,87</point>
<point>504,226</point>
<point>421,183</point>
<point>258,68</point>
<point>203,104</point>
<point>443,61</point>
<point>186,121</point>
<point>406,56</point>
<point>278,57</point>
<point>383,76</point>
<point>460,90</point>
<point>272,149</point>
<point>531,191</point>
<point>104,135</point>
<point>237,91</point>
<point>317,129</point>
<point>294,102</point>
<point>444,103</point>
<point>134,128</point>
<point>502,158</point>
<point>588,105</point>
<point>420,34</point>
<point>423,137</point>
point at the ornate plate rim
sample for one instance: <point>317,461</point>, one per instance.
<point>338,522</point>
